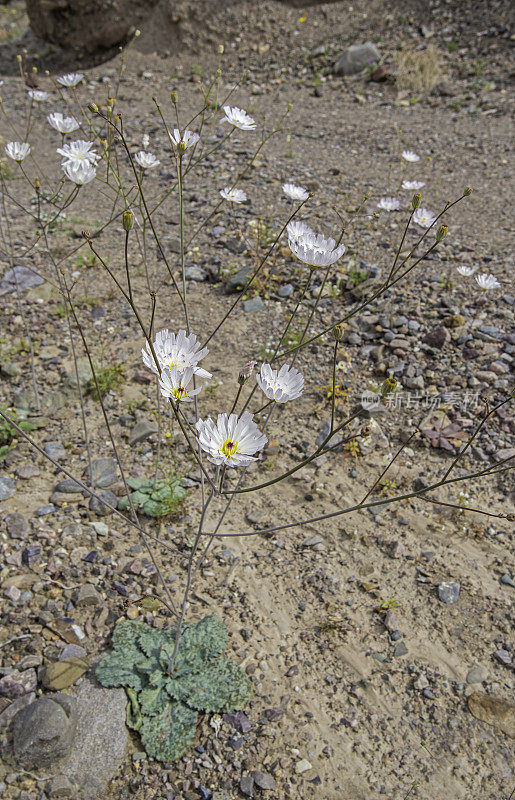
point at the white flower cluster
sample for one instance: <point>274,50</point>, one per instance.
<point>233,441</point>
<point>312,248</point>
<point>79,161</point>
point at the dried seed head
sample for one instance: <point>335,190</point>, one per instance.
<point>388,386</point>
<point>246,371</point>
<point>416,201</point>
<point>442,233</point>
<point>338,332</point>
<point>128,220</point>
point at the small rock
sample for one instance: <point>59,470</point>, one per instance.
<point>239,280</point>
<point>60,786</point>
<point>356,58</point>
<point>391,621</point>
<point>141,431</point>
<point>263,780</point>
<point>503,656</point>
<point>247,785</point>
<point>437,338</point>
<point>31,554</point>
<point>27,471</point>
<point>302,766</point>
<point>17,684</point>
<point>88,596</point>
<point>18,279</point>
<point>68,486</point>
<point>62,674</point>
<point>7,487</point>
<point>400,649</point>
<point>98,507</point>
<point>312,541</point>
<point>475,675</point>
<point>253,305</point>
<point>17,525</point>
<point>8,714</point>
<point>72,651</point>
<point>449,592</point>
<point>55,450</point>
<point>286,290</point>
<point>494,711</point>
<point>43,731</point>
<point>507,580</point>
<point>238,720</point>
<point>196,274</point>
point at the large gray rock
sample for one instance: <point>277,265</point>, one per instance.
<point>101,739</point>
<point>19,279</point>
<point>356,58</point>
<point>43,732</point>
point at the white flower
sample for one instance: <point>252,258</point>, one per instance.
<point>295,192</point>
<point>423,217</point>
<point>412,186</point>
<point>78,152</point>
<point>80,172</point>
<point>466,271</point>
<point>389,204</point>
<point>70,79</point>
<point>145,140</point>
<point>409,155</point>
<point>62,124</point>
<point>487,281</point>
<point>17,150</point>
<point>184,142</point>
<point>233,195</point>
<point>239,118</point>
<point>296,229</point>
<point>179,351</point>
<point>316,250</point>
<point>230,441</point>
<point>287,384</point>
<point>146,160</point>
<point>37,96</point>
<point>175,385</point>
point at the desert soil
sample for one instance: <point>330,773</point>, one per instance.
<point>350,702</point>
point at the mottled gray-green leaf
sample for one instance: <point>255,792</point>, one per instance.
<point>118,669</point>
<point>199,644</point>
<point>221,687</point>
<point>167,735</point>
<point>152,700</point>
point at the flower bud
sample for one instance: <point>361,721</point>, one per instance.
<point>220,49</point>
<point>442,233</point>
<point>510,517</point>
<point>364,432</point>
<point>387,387</point>
<point>246,372</point>
<point>338,332</point>
<point>93,107</point>
<point>467,192</point>
<point>85,234</point>
<point>128,220</point>
<point>37,184</point>
<point>416,201</point>
<point>173,98</point>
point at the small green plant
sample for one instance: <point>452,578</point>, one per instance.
<point>165,697</point>
<point>452,46</point>
<point>88,259</point>
<point>7,432</point>
<point>196,69</point>
<point>356,275</point>
<point>107,378</point>
<point>156,498</point>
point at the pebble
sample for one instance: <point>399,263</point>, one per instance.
<point>475,675</point>
<point>88,596</point>
<point>355,58</point>
<point>507,580</point>
<point>7,487</point>
<point>247,785</point>
<point>303,766</point>
<point>196,274</point>
<point>100,508</point>
<point>400,649</point>
<point>43,731</point>
<point>253,305</point>
<point>263,780</point>
<point>55,450</point>
<point>286,290</point>
<point>17,683</point>
<point>68,486</point>
<point>17,526</point>
<point>63,674</point>
<point>143,430</point>
<point>449,592</point>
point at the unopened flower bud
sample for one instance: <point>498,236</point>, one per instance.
<point>37,184</point>
<point>388,386</point>
<point>220,49</point>
<point>510,517</point>
<point>416,201</point>
<point>128,220</point>
<point>442,233</point>
<point>246,372</point>
<point>173,98</point>
<point>85,234</point>
<point>467,192</point>
<point>93,107</point>
<point>338,332</point>
<point>365,432</point>
<point>137,33</point>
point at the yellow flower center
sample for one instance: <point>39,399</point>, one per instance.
<point>180,393</point>
<point>229,448</point>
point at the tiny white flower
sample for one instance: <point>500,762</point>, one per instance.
<point>409,155</point>
<point>80,172</point>
<point>61,123</point>
<point>230,440</point>
<point>184,142</point>
<point>17,150</point>
<point>389,204</point>
<point>70,79</point>
<point>239,118</point>
<point>145,140</point>
<point>37,95</point>
<point>233,195</point>
<point>466,271</point>
<point>316,250</point>
<point>175,385</point>
<point>78,152</point>
<point>423,217</point>
<point>296,229</point>
<point>295,192</point>
<point>281,386</point>
<point>181,351</point>
<point>412,186</point>
<point>146,160</point>
<point>487,281</point>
